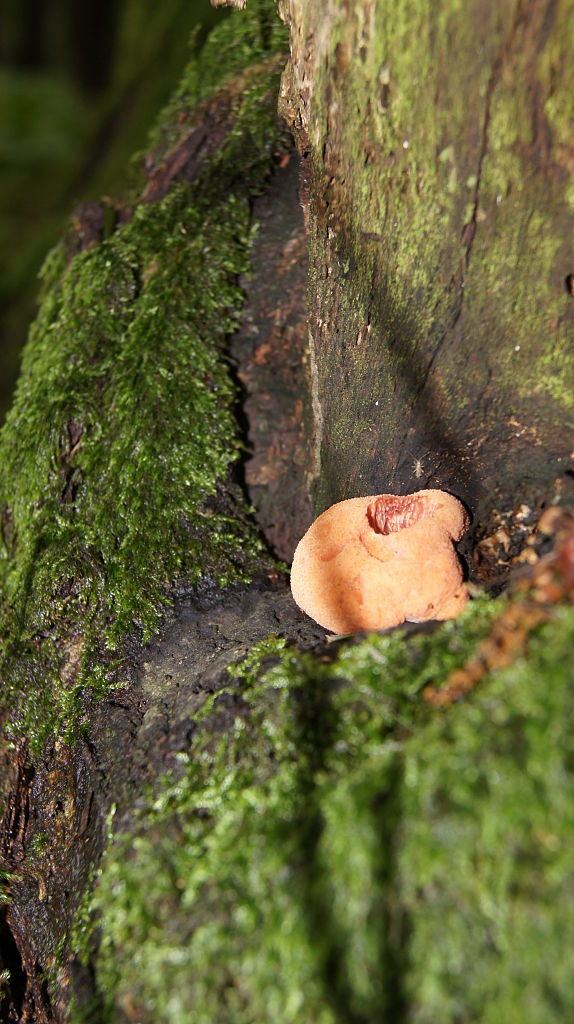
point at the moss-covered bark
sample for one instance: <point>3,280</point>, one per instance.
<point>118,486</point>
<point>340,853</point>
<point>439,146</point>
<point>377,830</point>
<point>123,423</point>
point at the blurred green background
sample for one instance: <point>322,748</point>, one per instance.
<point>81,82</point>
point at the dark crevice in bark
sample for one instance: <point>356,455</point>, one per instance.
<point>268,353</point>
<point>13,988</point>
<point>316,736</point>
<point>469,230</point>
<point>445,334</point>
<point>317,733</point>
<point>15,821</point>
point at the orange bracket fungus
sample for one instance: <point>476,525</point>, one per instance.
<point>372,563</point>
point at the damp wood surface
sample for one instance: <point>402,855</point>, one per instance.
<point>398,320</point>
<point>270,351</point>
<point>441,214</point>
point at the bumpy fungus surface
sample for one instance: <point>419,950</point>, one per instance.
<point>374,562</point>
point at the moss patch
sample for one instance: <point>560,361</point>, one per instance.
<point>122,434</point>
<point>347,854</point>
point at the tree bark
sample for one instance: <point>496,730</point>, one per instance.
<point>407,324</point>
<point>440,213</point>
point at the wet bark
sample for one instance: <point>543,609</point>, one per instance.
<point>431,349</point>
<point>440,221</point>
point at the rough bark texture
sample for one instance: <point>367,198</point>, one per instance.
<point>303,831</point>
<point>441,215</point>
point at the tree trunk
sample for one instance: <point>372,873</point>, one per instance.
<point>374,829</point>
<point>440,212</point>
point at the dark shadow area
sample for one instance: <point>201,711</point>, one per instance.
<point>424,452</point>
<point>317,733</point>
<point>13,984</point>
<point>267,359</point>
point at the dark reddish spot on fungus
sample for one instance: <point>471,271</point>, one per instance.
<point>392,512</point>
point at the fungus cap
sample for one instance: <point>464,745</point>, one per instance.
<point>375,562</point>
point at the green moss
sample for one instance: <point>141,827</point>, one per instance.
<point>341,852</point>
<point>398,193</point>
<point>555,67</point>
<point>250,668</point>
<point>411,188</point>
<point>5,879</point>
<point>495,807</point>
<point>441,221</point>
<point>227,53</point>
<point>123,430</point>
